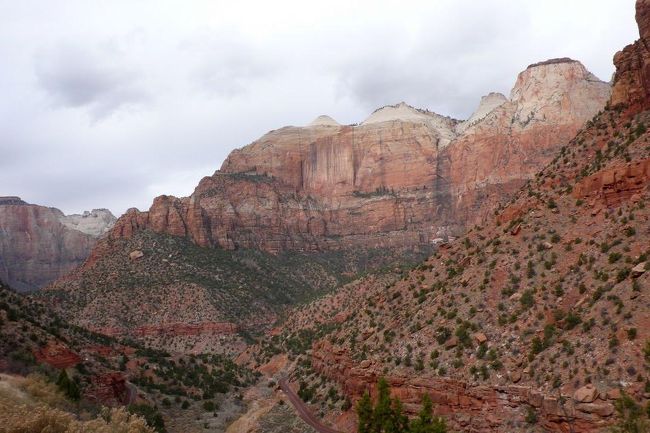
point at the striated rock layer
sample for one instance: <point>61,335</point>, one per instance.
<point>401,178</point>
<point>39,244</point>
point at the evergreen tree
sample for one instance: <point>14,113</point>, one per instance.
<point>399,422</point>
<point>387,416</point>
<point>364,412</point>
<point>426,422</point>
<point>383,412</point>
<point>68,386</point>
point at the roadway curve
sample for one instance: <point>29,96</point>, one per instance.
<point>303,410</point>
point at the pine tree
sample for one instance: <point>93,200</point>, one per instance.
<point>426,422</point>
<point>383,412</point>
<point>68,386</point>
<point>399,421</point>
<point>365,414</point>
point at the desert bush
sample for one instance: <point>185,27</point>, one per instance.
<point>26,405</point>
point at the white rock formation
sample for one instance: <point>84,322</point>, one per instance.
<point>553,81</point>
<point>403,112</point>
<point>94,223</point>
<point>487,105</point>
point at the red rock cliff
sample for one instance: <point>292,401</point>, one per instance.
<point>401,178</point>
<point>37,246</point>
<point>632,80</point>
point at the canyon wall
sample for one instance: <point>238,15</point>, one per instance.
<point>401,178</point>
<point>39,244</point>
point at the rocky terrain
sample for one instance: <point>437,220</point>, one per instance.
<point>400,179</point>
<point>39,244</point>
<point>535,320</point>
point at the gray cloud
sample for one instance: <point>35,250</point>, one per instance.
<point>77,77</point>
<point>170,94</point>
<point>227,68</point>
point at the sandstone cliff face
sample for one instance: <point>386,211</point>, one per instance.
<point>493,158</point>
<point>401,178</point>
<point>37,244</point>
<point>631,88</point>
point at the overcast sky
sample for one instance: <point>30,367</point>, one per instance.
<point>111,103</point>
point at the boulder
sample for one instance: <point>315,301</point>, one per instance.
<point>135,255</point>
<point>613,394</point>
<point>515,376</point>
<point>586,394</point>
<point>480,337</point>
<point>602,409</point>
<point>451,343</point>
<point>638,270</point>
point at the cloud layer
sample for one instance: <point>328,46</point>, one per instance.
<point>110,104</point>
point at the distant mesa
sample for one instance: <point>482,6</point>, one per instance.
<point>324,120</point>
<point>94,223</point>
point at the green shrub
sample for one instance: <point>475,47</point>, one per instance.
<point>68,386</point>
<point>151,416</point>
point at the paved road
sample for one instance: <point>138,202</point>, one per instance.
<point>303,410</point>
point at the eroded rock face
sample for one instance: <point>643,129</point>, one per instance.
<point>57,355</point>
<point>549,103</point>
<point>631,88</point>
<point>467,406</point>
<point>38,245</point>
<point>401,178</point>
<point>616,184</point>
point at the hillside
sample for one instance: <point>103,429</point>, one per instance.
<point>188,393</point>
<point>174,295</point>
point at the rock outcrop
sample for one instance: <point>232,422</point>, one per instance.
<point>401,178</point>
<point>616,184</point>
<point>466,405</point>
<point>40,244</point>
<point>58,355</point>
<point>631,89</point>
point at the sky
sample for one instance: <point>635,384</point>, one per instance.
<point>108,104</point>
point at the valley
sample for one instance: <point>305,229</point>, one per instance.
<point>410,273</point>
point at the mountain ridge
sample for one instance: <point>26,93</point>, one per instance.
<point>305,186</point>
